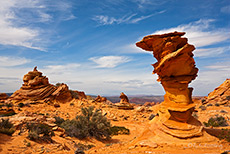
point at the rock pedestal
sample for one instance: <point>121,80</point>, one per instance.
<point>124,103</point>
<point>175,68</point>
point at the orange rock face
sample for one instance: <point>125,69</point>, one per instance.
<point>175,68</point>
<point>221,95</point>
<point>37,87</point>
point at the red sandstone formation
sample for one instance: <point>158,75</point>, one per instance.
<point>124,103</point>
<point>100,99</point>
<point>37,87</point>
<point>175,68</point>
<point>221,95</point>
<point>3,96</point>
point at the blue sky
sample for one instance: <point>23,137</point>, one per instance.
<point>90,45</point>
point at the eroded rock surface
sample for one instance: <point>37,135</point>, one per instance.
<point>221,95</point>
<point>175,68</point>
<point>37,87</point>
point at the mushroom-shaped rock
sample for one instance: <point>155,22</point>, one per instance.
<point>175,68</point>
<point>124,103</point>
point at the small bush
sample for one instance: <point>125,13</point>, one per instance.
<point>119,130</point>
<point>194,114</point>
<point>58,84</point>
<point>202,107</point>
<point>8,105</point>
<point>39,132</point>
<point>74,94</point>
<point>217,121</point>
<point>89,124</point>
<point>6,127</point>
<point>217,104</point>
<point>58,121</point>
<point>84,147</point>
<point>21,104</point>
<point>202,101</point>
<point>225,135</point>
<point>227,98</point>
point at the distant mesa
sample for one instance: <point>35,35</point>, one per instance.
<point>36,87</point>
<point>124,103</point>
<point>220,96</point>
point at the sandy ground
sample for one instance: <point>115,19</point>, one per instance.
<point>120,144</point>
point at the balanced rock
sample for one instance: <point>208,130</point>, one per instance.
<point>124,103</point>
<point>221,95</point>
<point>175,68</point>
<point>37,87</point>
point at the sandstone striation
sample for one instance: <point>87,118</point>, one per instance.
<point>175,68</point>
<point>124,103</point>
<point>36,87</point>
<point>221,95</point>
<point>3,96</point>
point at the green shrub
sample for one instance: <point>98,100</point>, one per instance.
<point>89,124</point>
<point>225,135</point>
<point>202,107</point>
<point>58,84</point>
<point>194,114</point>
<point>84,147</point>
<point>58,121</point>
<point>216,122</point>
<point>6,127</point>
<point>74,94</point>
<point>39,132</point>
<point>119,130</point>
<point>228,98</point>
<point>21,104</point>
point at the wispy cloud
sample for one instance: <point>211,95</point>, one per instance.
<point>200,33</point>
<point>62,68</point>
<point>12,61</point>
<point>16,18</point>
<point>109,61</point>
<point>222,66</point>
<point>225,9</point>
<point>211,52</point>
<point>106,20</point>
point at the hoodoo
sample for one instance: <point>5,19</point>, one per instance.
<point>175,68</point>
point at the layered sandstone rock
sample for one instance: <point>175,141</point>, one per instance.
<point>3,96</point>
<point>100,99</point>
<point>37,87</point>
<point>124,102</point>
<point>175,68</point>
<point>221,95</point>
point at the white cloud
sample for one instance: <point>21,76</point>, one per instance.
<point>200,34</point>
<point>224,66</point>
<point>61,68</point>
<point>106,20</point>
<point>12,61</point>
<point>16,16</point>
<point>109,61</point>
<point>225,9</point>
<point>211,52</point>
